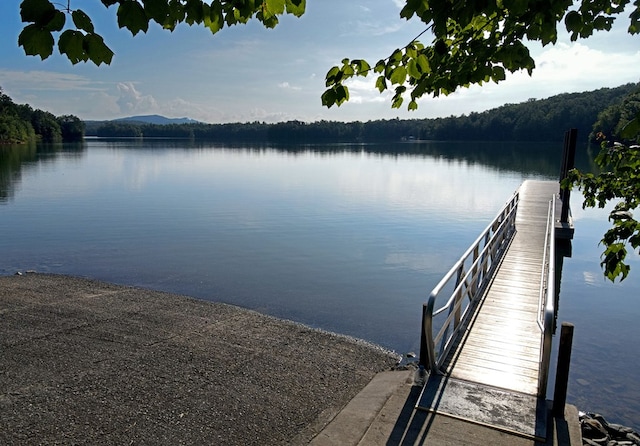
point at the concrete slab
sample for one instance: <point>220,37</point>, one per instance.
<point>356,418</point>
<point>399,423</point>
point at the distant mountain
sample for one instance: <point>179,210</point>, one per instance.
<point>157,119</point>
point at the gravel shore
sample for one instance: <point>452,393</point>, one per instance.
<point>87,362</point>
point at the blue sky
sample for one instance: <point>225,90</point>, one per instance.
<point>249,73</point>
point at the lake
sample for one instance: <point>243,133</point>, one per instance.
<point>347,238</point>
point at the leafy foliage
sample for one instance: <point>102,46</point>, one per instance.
<point>21,123</point>
<point>616,117</point>
<point>619,180</point>
<point>81,43</point>
<point>474,42</point>
<point>71,128</point>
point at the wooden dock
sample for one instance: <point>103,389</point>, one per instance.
<point>491,374</point>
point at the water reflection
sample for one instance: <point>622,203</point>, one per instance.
<point>12,158</point>
<point>16,159</point>
<point>530,158</point>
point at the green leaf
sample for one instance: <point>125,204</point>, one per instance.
<point>342,94</point>
<point>213,18</point>
<point>347,71</point>
<point>413,70</point>
<point>362,67</point>
<point>381,83</point>
<point>396,56</point>
<point>333,76</point>
<point>157,10</point>
<point>36,11</point>
<point>273,7</point>
<point>413,105</point>
<point>328,98</point>
<point>71,44</point>
<point>131,15</point>
<point>82,21</point>
<point>423,63</point>
<point>519,6</point>
<point>56,21</point>
<point>498,74</point>
<point>602,23</point>
<point>96,49</point>
<point>36,41</point>
<point>194,11</point>
<point>632,129</point>
<point>410,9</point>
<point>296,7</point>
<point>335,95</point>
<point>398,75</point>
<point>271,22</point>
<point>397,99</point>
<point>613,262</point>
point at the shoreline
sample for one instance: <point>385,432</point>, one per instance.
<point>86,361</point>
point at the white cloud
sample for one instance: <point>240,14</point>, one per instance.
<point>362,90</point>
<point>373,28</point>
<point>288,86</point>
<point>131,100</point>
<point>576,65</point>
<point>45,80</point>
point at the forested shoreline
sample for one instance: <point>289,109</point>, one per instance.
<point>540,120</point>
<point>605,111</point>
<point>19,124</point>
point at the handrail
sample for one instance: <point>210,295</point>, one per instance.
<point>544,279</point>
<point>485,252</point>
<point>547,299</point>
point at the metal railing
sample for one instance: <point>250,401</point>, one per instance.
<point>468,278</point>
<point>546,304</point>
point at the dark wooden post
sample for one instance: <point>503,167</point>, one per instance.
<point>562,371</point>
<point>424,351</point>
<point>568,163</point>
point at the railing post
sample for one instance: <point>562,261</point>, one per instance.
<point>484,255</point>
<point>457,301</point>
<point>568,163</point>
<point>474,271</point>
<point>427,347</point>
<point>424,349</point>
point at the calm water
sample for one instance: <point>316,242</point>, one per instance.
<point>343,238</point>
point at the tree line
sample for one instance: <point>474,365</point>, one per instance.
<point>604,110</point>
<point>19,123</point>
<point>536,120</point>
